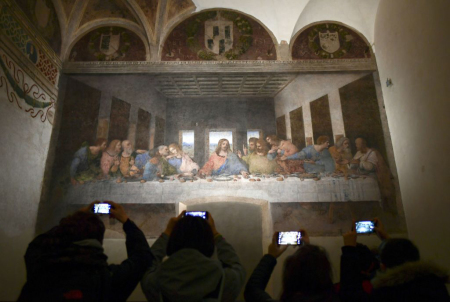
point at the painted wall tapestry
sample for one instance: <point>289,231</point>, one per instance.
<point>12,29</point>
<point>109,44</point>
<point>329,41</point>
<point>43,16</point>
<point>218,35</point>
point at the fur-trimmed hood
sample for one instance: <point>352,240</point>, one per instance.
<point>408,272</point>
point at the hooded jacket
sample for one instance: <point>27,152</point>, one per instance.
<point>188,275</point>
<point>412,281</point>
<point>80,270</point>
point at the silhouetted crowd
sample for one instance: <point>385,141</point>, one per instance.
<point>68,263</point>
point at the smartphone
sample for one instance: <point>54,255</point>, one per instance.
<point>201,214</point>
<point>364,227</point>
<point>101,208</point>
<point>289,238</point>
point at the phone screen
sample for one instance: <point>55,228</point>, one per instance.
<point>201,214</point>
<point>364,227</point>
<point>102,208</point>
<point>289,238</point>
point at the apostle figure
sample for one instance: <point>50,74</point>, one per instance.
<point>181,161</point>
<point>368,161</point>
<point>85,165</point>
<point>342,155</point>
<point>110,159</point>
<point>316,158</point>
<point>223,161</point>
<point>127,160</point>
<point>280,148</point>
<point>258,162</point>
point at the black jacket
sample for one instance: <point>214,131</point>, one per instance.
<point>80,270</point>
<point>412,281</point>
<point>256,284</point>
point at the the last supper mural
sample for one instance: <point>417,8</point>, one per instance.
<point>318,162</point>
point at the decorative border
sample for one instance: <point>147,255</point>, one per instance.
<point>265,66</point>
<point>14,30</point>
<point>32,99</point>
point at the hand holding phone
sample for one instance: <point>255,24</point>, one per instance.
<point>289,238</point>
<point>201,214</point>
<point>101,208</point>
<point>364,227</point>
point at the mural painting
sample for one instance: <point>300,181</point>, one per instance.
<point>329,41</point>
<point>109,44</point>
<point>99,9</point>
<point>176,7</point>
<point>43,16</point>
<point>150,9</point>
<point>218,35</point>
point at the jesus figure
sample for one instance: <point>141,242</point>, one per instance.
<point>223,161</point>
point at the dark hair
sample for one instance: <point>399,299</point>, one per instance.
<point>368,263</point>
<point>307,272</point>
<point>192,233</point>
<point>79,226</point>
<point>253,140</point>
<point>398,251</point>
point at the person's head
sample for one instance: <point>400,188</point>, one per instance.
<point>307,272</point>
<point>361,144</point>
<point>223,145</point>
<point>163,150</point>
<point>323,141</point>
<point>252,143</point>
<point>127,147</point>
<point>175,149</point>
<point>80,226</point>
<point>261,146</point>
<point>343,143</point>
<point>101,143</point>
<point>114,147</point>
<point>398,251</point>
<point>191,233</point>
<point>273,140</point>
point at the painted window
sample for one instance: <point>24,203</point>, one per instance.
<point>253,133</point>
<point>216,135</point>
<point>187,142</point>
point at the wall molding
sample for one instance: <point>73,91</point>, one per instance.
<point>174,67</point>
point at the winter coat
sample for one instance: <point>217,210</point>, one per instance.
<point>256,284</point>
<point>79,271</point>
<point>187,275</point>
<point>413,281</point>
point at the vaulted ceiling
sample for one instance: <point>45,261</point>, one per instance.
<point>151,22</point>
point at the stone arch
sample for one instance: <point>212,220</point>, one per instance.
<point>360,37</point>
<point>93,25</point>
<point>185,16</point>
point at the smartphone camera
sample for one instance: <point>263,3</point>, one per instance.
<point>289,238</point>
<point>364,227</point>
<point>201,214</point>
<point>102,208</point>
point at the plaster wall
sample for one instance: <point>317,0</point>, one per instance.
<point>279,18</point>
<point>25,143</point>
<point>309,87</point>
<point>357,14</point>
<point>417,109</point>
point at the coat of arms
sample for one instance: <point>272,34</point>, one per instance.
<point>219,36</point>
<point>329,41</point>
